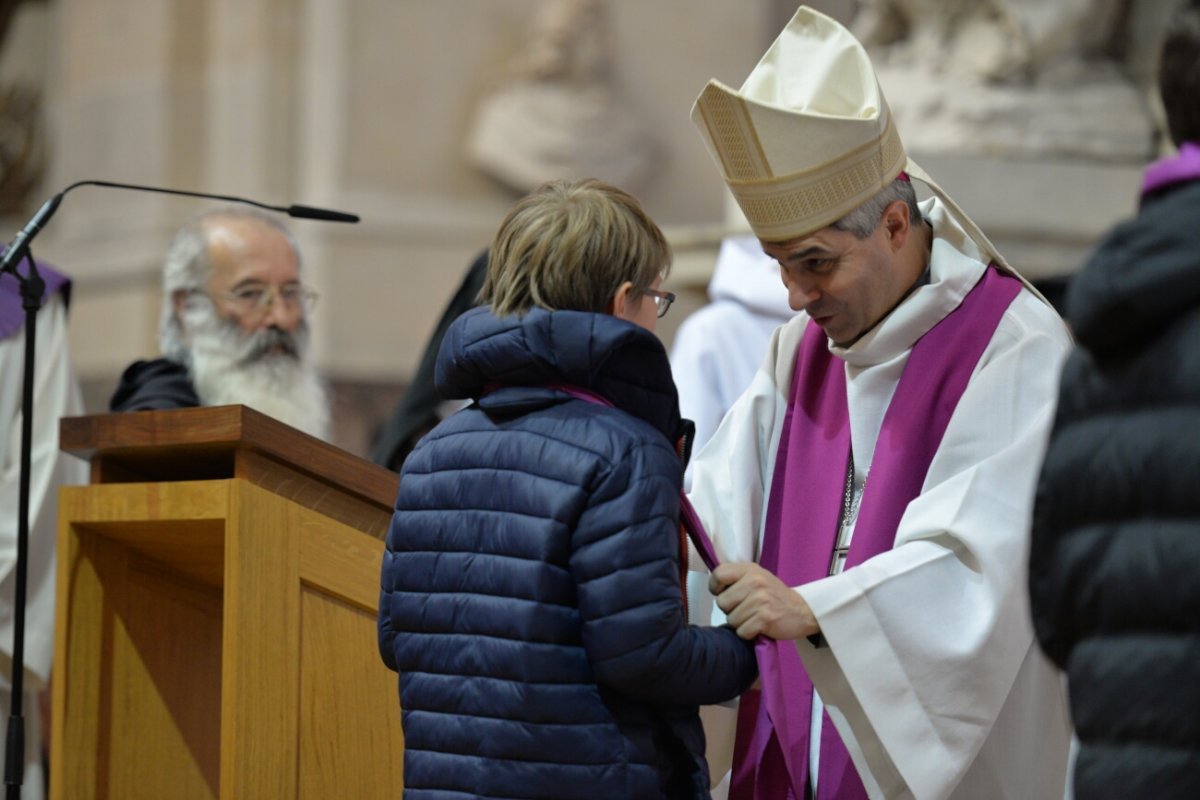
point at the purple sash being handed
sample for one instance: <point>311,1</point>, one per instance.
<point>771,752</point>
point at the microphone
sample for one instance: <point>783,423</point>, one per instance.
<point>13,255</point>
<point>309,212</point>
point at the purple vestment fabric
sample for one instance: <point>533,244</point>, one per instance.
<point>12,312</point>
<point>1179,168</point>
<point>771,754</point>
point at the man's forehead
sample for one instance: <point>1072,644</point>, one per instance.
<point>824,240</point>
<point>248,249</point>
<point>243,232</point>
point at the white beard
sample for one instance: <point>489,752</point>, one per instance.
<point>228,366</point>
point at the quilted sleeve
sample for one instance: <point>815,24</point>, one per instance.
<point>626,562</point>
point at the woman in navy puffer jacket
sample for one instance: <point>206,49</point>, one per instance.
<point>532,588</point>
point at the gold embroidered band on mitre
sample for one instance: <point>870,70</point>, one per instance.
<point>780,208</point>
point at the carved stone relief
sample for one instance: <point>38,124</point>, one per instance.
<point>1024,78</point>
<point>22,151</point>
<point>556,111</point>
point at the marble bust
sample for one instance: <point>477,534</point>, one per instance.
<point>555,111</point>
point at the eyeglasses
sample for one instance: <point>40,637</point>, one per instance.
<point>255,300</point>
<point>661,299</point>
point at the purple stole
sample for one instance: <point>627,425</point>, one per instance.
<point>12,310</point>
<point>771,751</point>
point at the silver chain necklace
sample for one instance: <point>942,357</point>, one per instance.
<point>850,500</point>
<point>848,495</point>
<point>850,505</point>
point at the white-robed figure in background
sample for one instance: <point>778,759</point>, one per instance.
<point>718,348</point>
<point>870,493</point>
<point>55,395</point>
<point>714,356</point>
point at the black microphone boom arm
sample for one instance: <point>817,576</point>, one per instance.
<point>12,256</point>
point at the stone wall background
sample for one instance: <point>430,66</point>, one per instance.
<point>366,105</point>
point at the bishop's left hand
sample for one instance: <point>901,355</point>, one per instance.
<point>758,603</point>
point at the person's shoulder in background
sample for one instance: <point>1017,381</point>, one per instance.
<point>156,384</point>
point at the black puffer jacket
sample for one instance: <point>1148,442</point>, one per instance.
<point>531,589</point>
<point>1115,564</point>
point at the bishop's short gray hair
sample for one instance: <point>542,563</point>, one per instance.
<point>863,220</point>
<point>187,268</point>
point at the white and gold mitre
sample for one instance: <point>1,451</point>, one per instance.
<point>809,136</point>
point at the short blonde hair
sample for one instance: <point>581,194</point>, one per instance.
<point>570,246</point>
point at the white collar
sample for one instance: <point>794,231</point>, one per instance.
<point>954,269</point>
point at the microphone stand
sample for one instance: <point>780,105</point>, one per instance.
<point>32,288</point>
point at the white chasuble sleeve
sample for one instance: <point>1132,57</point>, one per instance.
<point>930,644</point>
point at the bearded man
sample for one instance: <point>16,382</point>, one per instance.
<point>234,325</point>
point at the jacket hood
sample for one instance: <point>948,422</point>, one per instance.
<point>748,276</point>
<point>1143,276</point>
<point>514,361</point>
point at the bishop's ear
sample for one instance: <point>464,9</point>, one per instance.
<point>896,223</point>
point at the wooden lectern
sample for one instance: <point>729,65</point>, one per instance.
<point>217,590</point>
